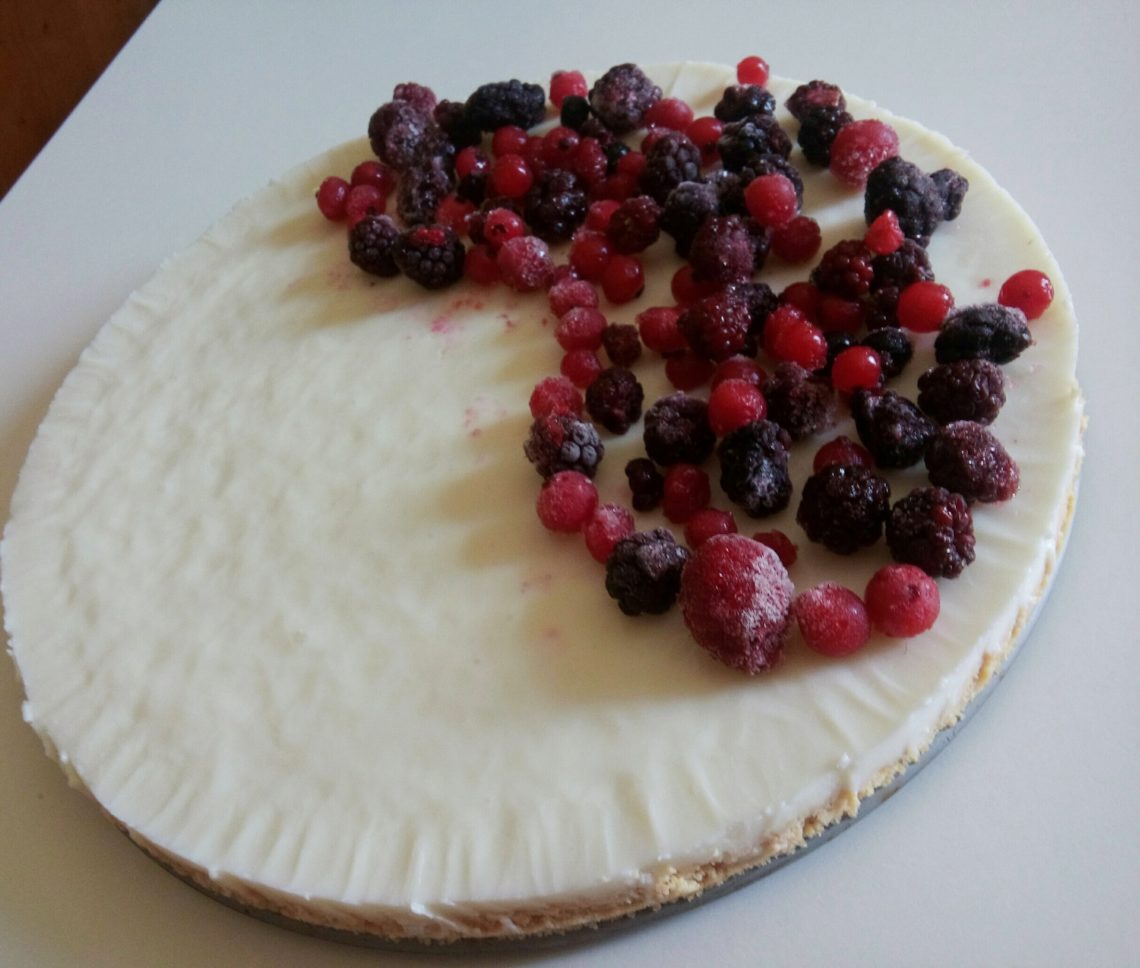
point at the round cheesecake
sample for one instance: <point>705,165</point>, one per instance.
<point>275,587</point>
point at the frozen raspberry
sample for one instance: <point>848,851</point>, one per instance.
<point>502,103</point>
<point>555,205</point>
<point>525,263</point>
<point>398,132</point>
<point>735,598</point>
<point>892,428</point>
<point>646,483</point>
<point>717,327</point>
<point>798,241</point>
<point>621,96</point>
<point>614,399</point>
<point>688,370</point>
<point>745,143</point>
<point>779,543</point>
<point>986,332</point>
<point>563,84</point>
<point>818,129</point>
<point>842,450</point>
<point>893,348</point>
<point>740,101</point>
<point>814,94</point>
<point>965,457</point>
<point>722,251</point>
<point>884,234</point>
<point>677,430</point>
<point>570,294</point>
<point>800,403</point>
<point>635,225</point>
<point>372,244</point>
<point>580,328</point>
<point>430,255</point>
<point>952,187</point>
<point>686,491</point>
<point>734,403</point>
<point>606,527</point>
<point>754,467</point>
<point>706,523</point>
<point>846,269</point>
<point>562,442</point>
<point>555,394</point>
<point>833,620</point>
<point>567,501</point>
<point>903,188</point>
<point>673,159</point>
<point>962,390</point>
<point>843,507</point>
<point>643,572</point>
<point>581,367</point>
<point>1029,290</point>
<point>790,338</point>
<point>859,147</point>
<point>902,601</point>
<point>933,529</point>
<point>420,192</point>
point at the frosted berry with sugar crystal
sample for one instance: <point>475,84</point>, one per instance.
<point>800,402</point>
<point>859,147</point>
<point>884,235</point>
<point>771,200</point>
<point>621,96</point>
<point>580,328</point>
<point>635,225</point>
<point>740,101</point>
<point>525,264</point>
<point>607,526</point>
<point>968,459</point>
<point>833,620</point>
<point>555,394</point>
<point>814,94</point>
<point>559,441</point>
<point>754,467</point>
<point>891,427</point>
<point>706,523</point>
<point>932,528</point>
<point>581,367</point>
<point>734,403</point>
<point>1029,290</point>
<point>717,327</point>
<point>570,294</point>
<point>779,543</point>
<point>566,502</point>
<point>904,188</point>
<point>622,344</point>
<point>676,430</point>
<point>962,390</point>
<point>986,332</point>
<point>902,600</point>
<point>332,194</point>
<point>643,572</point>
<point>614,399</point>
<point>372,245</point>
<point>735,598</point>
<point>843,507</point>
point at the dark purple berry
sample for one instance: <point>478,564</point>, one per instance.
<point>419,193</point>
<point>685,210</point>
<point>952,187</point>
<point>556,205</point>
<point>932,528</point>
<point>635,226</point>
<point>646,483</point>
<point>743,100</point>
<point>892,428</point>
<point>814,94</point>
<point>754,467</point>
<point>717,326</point>
<point>760,300</point>
<point>743,143</point>
<point>894,347</point>
<point>643,572</point>
<point>908,263</point>
<point>430,255</point>
<point>818,130</point>
<point>621,96</point>
<point>962,390</point>
<point>677,430</point>
<point>907,191</point>
<point>506,103</point>
<point>965,457</point>
<point>451,116</point>
<point>397,131</point>
<point>799,402</point>
<point>372,243</point>
<point>843,507</point>
<point>672,159</point>
<point>575,112</point>
<point>723,250</point>
<point>614,399</point>
<point>845,270</point>
<point>622,343</point>
<point>562,442</point>
<point>986,332</point>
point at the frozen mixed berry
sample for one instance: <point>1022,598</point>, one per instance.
<point>373,173</point>
<point>843,507</point>
<point>902,187</point>
<point>688,370</point>
<point>833,620</point>
<point>372,245</point>
<point>590,253</point>
<point>986,332</point>
<point>621,96</point>
<point>752,70</point>
<point>643,572</point>
<point>606,527</point>
<point>932,528</point>
<point>623,278</point>
<point>799,402</point>
<point>614,399</point>
<point>761,302</point>
<point>634,225</point>
<point>856,368</point>
<point>771,200</point>
<point>580,328</point>
<point>563,84</point>
<point>398,132</point>
<point>561,442</point>
<point>884,234</point>
<point>566,502</point>
<point>846,269</point>
<point>798,241</point>
<point>729,187</point>
<point>581,367</point>
<point>838,340</point>
<point>574,112</point>
<point>451,116</point>
<point>571,293</point>
<point>893,347</point>
<point>779,543</point>
<point>670,113</point>
<point>672,159</point>
<point>332,194</point>
<point>962,390</point>
<point>771,164</point>
<point>430,255</point>
<point>363,200</point>
<point>744,143</point>
<point>908,264</point>
<point>734,403</point>
<point>739,368</point>
<point>842,450</point>
<point>559,146</point>
<point>686,490</point>
<point>818,129</point>
<point>902,601</point>
<point>740,101</point>
<point>723,250</point>
<point>706,523</point>
<point>502,103</point>
<point>1029,290</point>
<point>525,264</point>
<point>813,95</point>
<point>837,314</point>
<point>717,326</point>
<point>754,467</point>
<point>511,176</point>
<point>420,192</point>
<point>659,330</point>
<point>555,205</point>
<point>923,306</point>
<point>677,430</point>
<point>646,483</point>
<point>859,147</point>
<point>480,267</point>
<point>555,394</point>
<point>966,458</point>
<point>622,344</point>
<point>736,597</point>
<point>891,427</point>
<point>952,187</point>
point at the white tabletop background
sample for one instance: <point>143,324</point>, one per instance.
<point>1020,844</point>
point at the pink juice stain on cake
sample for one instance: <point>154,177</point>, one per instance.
<point>986,283</point>
<point>538,582</point>
<point>481,412</point>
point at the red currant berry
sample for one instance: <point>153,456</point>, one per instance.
<point>373,173</point>
<point>884,235</point>
<point>738,368</point>
<point>533,153</point>
<point>454,213</point>
<point>832,619</point>
<point>798,341</point>
<point>842,450</point>
<point>560,146</point>
<point>363,200</point>
<point>856,368</point>
<point>923,306</point>
<point>686,289</point>
<point>687,371</point>
<point>734,403</point>
<point>599,213</point>
<point>564,84</point>
<point>508,140</point>
<point>500,225</point>
<point>798,241</point>
<point>771,200</point>
<point>704,132</point>
<point>780,543</point>
<point>606,527</point>
<point>555,394</point>
<point>859,147</point>
<point>659,330</point>
<point>331,197</point>
<point>581,367</point>
<point>623,278</point>
<point>1029,290</point>
<point>590,254</point>
<point>804,296</point>
<point>671,113</point>
<point>902,600</point>
<point>706,523</point>
<point>687,490</point>
<point>480,266</point>
<point>836,314</point>
<point>619,186</point>
<point>589,162</point>
<point>525,264</point>
<point>580,328</point>
<point>569,293</point>
<point>471,161</point>
<point>567,501</point>
<point>510,177</point>
<point>752,70</point>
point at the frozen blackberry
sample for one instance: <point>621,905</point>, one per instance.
<point>397,131</point>
<point>420,192</point>
<point>646,483</point>
<point>622,344</point>
<point>962,390</point>
<point>717,326</point>
<point>621,96</point>
<point>635,225</point>
<point>910,193</point>
<point>843,507</point>
<point>818,129</point>
<point>556,205</point>
<point>643,572</point>
<point>838,340</point>
<point>801,403</point>
<point>845,270</point>
<point>472,187</point>
<point>451,116</point>
<point>908,263</point>
<point>672,159</point>
<point>614,152</point>
<point>754,467</point>
<point>686,208</point>
<point>814,94</point>
<point>988,331</point>
<point>575,112</point>
<point>760,300</point>
<point>743,142</point>
<point>614,399</point>
<point>743,100</point>
<point>952,187</point>
<point>880,309</point>
<point>729,186</point>
<point>723,250</point>
<point>677,430</point>
<point>892,428</point>
<point>512,102</point>
<point>431,255</point>
<point>561,442</point>
<point>372,243</point>
<point>932,528</point>
<point>965,457</point>
<point>894,347</point>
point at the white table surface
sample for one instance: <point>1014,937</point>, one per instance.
<point>1020,844</point>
